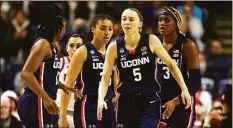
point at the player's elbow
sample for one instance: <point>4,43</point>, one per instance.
<point>24,75</point>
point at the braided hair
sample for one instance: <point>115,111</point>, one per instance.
<point>51,22</point>
<point>173,13</point>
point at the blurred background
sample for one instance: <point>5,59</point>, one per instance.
<point>209,24</point>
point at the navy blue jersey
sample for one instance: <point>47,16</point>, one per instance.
<point>136,68</point>
<point>167,81</point>
<point>47,73</point>
<point>92,72</point>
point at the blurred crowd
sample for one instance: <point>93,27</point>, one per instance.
<point>19,21</point>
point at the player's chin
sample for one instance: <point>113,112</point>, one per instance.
<point>163,33</point>
<point>127,31</point>
<point>106,40</point>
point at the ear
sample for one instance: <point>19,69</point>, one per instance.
<point>67,47</point>
<point>93,30</point>
<point>140,24</point>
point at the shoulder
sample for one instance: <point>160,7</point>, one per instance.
<point>190,44</point>
<point>80,54</point>
<point>112,49</point>
<point>82,50</point>
<point>41,46</point>
<point>190,49</point>
<point>153,37</point>
<point>154,40</point>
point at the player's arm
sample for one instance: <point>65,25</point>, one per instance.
<point>76,64</point>
<point>40,50</point>
<point>110,58</point>
<point>157,48</point>
<point>192,55</point>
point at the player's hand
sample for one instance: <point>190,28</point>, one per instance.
<point>186,98</point>
<point>65,88</point>
<point>114,101</point>
<point>78,93</point>
<point>169,108</point>
<point>101,105</point>
<point>62,122</point>
<point>50,106</point>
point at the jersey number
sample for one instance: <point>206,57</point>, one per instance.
<point>110,81</point>
<point>137,74</point>
<point>167,73</point>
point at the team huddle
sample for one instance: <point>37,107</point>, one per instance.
<point>137,81</point>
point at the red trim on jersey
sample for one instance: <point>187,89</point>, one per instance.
<point>156,69</point>
<point>103,55</point>
<point>63,63</point>
<point>39,99</point>
<point>83,121</point>
<point>68,58</point>
<point>132,51</point>
<point>197,97</point>
<point>162,124</point>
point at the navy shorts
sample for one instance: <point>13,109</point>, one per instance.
<point>139,111</point>
<point>85,114</point>
<point>181,117</point>
<point>33,114</point>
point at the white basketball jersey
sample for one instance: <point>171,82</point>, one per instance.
<point>64,61</point>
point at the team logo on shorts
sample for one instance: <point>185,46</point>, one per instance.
<point>49,126</point>
<point>91,126</point>
<point>92,52</point>
<point>120,125</point>
<point>122,50</point>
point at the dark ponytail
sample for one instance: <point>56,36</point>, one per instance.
<point>51,22</point>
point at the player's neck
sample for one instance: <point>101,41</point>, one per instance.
<point>132,39</point>
<point>99,46</point>
<point>170,39</point>
<point>54,41</point>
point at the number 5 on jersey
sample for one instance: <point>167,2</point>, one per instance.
<point>137,74</point>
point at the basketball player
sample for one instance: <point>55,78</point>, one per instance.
<point>88,60</point>
<point>185,53</point>
<point>74,42</point>
<point>134,53</point>
<point>37,107</point>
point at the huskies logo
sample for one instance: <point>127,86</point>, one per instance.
<point>122,50</point>
<point>92,52</point>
